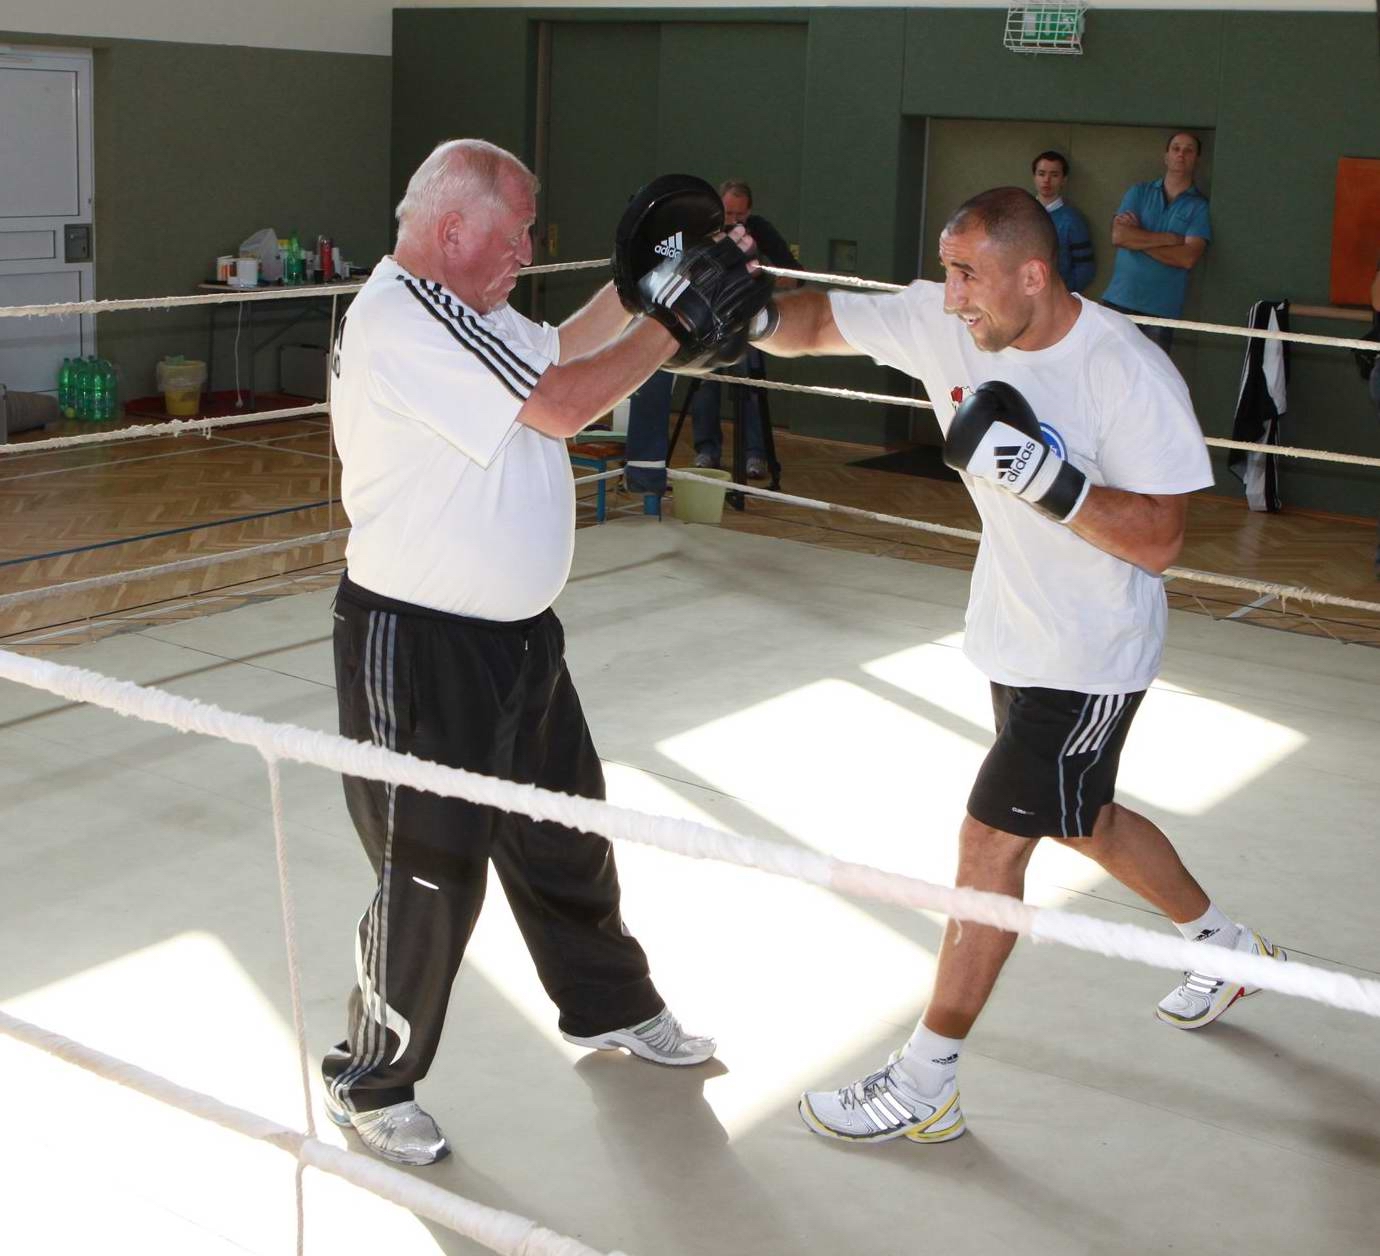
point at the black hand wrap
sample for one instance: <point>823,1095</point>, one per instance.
<point>705,298</point>
<point>663,219</point>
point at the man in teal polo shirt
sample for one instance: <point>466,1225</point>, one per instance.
<point>1161,231</point>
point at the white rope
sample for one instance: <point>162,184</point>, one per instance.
<point>204,560</point>
<point>1222,329</point>
<point>819,390</point>
<point>831,508</point>
<point>166,569</point>
<point>500,1231</point>
<point>685,837</point>
<point>1290,451</point>
<point>174,427</point>
<point>64,308</point>
<point>299,1023</point>
<point>286,293</point>
<point>812,276</point>
<point>894,399</point>
<point>1284,592</point>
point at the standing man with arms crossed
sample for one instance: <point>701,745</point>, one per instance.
<point>1161,232</point>
<point>450,411</point>
<point>1076,264</point>
<point>1079,445</point>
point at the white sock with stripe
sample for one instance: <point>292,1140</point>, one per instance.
<point>1214,926</point>
<point>929,1059</point>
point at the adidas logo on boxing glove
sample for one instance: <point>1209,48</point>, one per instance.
<point>1012,460</point>
<point>672,246</point>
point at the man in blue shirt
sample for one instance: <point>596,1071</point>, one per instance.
<point>1076,265</point>
<point>1161,231</point>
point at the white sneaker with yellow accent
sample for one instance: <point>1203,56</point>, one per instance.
<point>1200,998</point>
<point>883,1106</point>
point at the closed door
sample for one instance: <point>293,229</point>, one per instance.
<point>45,211</point>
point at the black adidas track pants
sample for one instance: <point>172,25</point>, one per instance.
<point>494,698</point>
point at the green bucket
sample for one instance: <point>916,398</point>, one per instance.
<point>693,502</point>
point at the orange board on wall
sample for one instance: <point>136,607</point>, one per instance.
<point>1355,230</point>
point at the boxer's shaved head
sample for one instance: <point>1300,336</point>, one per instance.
<point>1013,220</point>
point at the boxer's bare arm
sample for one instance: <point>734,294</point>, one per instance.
<point>807,326</point>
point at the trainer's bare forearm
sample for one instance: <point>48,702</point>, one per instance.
<point>573,394</point>
<point>594,324</point>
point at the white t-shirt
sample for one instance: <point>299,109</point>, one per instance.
<point>453,504</point>
<point>1047,608</point>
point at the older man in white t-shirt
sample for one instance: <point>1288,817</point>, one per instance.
<point>1078,443</point>
<point>450,411</point>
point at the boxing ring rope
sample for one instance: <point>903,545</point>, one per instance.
<point>275,741</point>
<point>1220,329</point>
<point>917,403</point>
<point>505,1232</point>
<point>500,1231</point>
<point>1282,592</point>
<point>206,560</point>
<point>178,427</point>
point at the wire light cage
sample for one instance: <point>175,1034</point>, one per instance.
<point>1047,26</point>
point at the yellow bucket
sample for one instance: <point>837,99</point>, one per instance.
<point>181,382</point>
<point>182,400</point>
<point>693,502</point>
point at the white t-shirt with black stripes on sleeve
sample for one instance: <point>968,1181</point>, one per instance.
<point>453,504</point>
<point>1047,608</point>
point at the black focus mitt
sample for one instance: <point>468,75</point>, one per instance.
<point>705,298</point>
<point>666,217</point>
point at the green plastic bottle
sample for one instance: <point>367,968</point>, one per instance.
<point>67,401</point>
<point>83,388</point>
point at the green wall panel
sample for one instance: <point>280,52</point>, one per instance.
<point>196,147</point>
<point>1282,95</point>
<point>588,184</point>
<point>1140,68</point>
<point>460,74</point>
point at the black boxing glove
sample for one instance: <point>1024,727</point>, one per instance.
<point>705,298</point>
<point>995,436</point>
<point>670,214</point>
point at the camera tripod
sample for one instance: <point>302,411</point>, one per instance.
<point>752,368</point>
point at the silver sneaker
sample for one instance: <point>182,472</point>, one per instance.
<point>402,1132</point>
<point>661,1040</point>
<point>883,1106</point>
<point>756,469</point>
<point>1200,999</point>
<point>706,460</point>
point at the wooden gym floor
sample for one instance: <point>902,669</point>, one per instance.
<point>73,514</point>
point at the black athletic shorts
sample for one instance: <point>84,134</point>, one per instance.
<point>1053,765</point>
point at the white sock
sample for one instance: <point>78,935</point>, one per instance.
<point>1213,926</point>
<point>929,1059</point>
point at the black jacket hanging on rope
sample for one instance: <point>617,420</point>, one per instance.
<point>1260,406</point>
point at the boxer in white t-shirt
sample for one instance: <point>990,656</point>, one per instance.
<point>1079,445</point>
<point>450,412</point>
